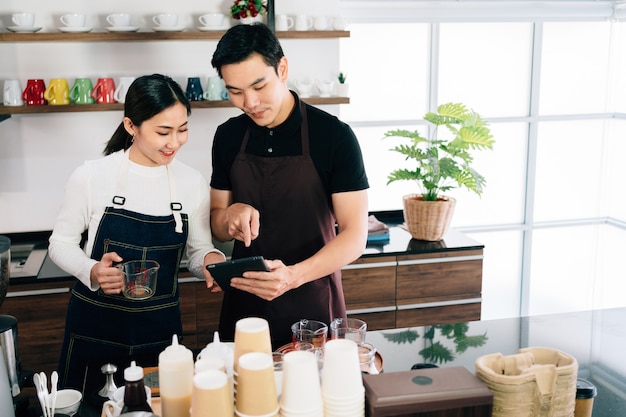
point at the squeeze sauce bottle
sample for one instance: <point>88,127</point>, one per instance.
<point>135,397</point>
<point>176,370</point>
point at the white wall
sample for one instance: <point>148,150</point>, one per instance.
<point>38,152</point>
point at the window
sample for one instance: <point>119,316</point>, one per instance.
<point>548,82</point>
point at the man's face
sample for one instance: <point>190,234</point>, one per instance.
<point>255,88</point>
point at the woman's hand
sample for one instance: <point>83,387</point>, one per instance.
<point>211,258</point>
<point>108,277</point>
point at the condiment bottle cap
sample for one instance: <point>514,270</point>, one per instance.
<point>176,352</point>
<point>133,372</point>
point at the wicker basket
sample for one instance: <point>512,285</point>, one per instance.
<point>428,220</point>
<point>536,382</point>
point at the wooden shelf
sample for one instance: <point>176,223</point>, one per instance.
<point>148,35</point>
<point>7,111</point>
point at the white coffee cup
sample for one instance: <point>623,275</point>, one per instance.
<point>12,93</point>
<point>119,19</point>
<point>303,22</point>
<point>166,20</point>
<point>339,23</point>
<point>321,23</point>
<point>283,22</point>
<point>122,88</point>
<point>23,19</point>
<point>212,19</point>
<point>76,20</point>
<point>214,88</point>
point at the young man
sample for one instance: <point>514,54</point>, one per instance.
<point>285,177</point>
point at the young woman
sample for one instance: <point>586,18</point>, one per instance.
<point>138,202</point>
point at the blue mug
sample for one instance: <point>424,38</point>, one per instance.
<point>194,89</point>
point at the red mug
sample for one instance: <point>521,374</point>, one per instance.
<point>33,94</point>
<point>104,91</point>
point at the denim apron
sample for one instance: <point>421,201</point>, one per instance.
<point>296,221</point>
<point>103,328</point>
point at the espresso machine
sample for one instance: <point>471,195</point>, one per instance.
<point>9,359</point>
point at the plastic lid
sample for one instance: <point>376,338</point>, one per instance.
<point>220,350</point>
<point>133,372</point>
<point>585,389</point>
<point>176,352</point>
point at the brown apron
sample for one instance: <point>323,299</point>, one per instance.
<point>296,222</point>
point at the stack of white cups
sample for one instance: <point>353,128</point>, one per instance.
<point>301,394</point>
<point>343,393</point>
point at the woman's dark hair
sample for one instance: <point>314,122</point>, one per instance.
<point>241,41</point>
<point>147,96</point>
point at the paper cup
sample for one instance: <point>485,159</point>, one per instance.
<point>252,334</point>
<point>341,372</point>
<point>211,396</point>
<point>256,387</point>
<point>301,391</point>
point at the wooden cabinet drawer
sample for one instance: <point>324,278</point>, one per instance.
<point>40,310</point>
<point>380,320</point>
<point>433,278</point>
<point>370,282</point>
<point>437,315</point>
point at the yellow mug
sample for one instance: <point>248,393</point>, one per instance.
<point>58,92</point>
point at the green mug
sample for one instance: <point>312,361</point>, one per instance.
<point>81,91</point>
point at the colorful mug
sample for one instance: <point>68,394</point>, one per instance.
<point>33,93</point>
<point>81,91</point>
<point>104,91</point>
<point>194,89</point>
<point>58,92</point>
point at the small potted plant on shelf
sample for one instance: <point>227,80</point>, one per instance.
<point>248,11</point>
<point>342,86</point>
<point>439,165</point>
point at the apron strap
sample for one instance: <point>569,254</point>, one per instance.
<point>120,190</point>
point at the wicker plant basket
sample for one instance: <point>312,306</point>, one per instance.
<point>536,382</point>
<point>428,220</point>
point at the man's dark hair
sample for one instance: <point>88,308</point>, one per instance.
<point>241,41</point>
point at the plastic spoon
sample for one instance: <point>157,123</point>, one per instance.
<point>40,394</point>
<point>54,379</point>
<point>44,387</point>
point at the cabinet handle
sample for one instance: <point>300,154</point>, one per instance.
<point>371,265</point>
<point>440,260</point>
<point>371,310</point>
<point>440,303</point>
<point>37,292</point>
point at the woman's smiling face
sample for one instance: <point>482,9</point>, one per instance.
<point>158,139</point>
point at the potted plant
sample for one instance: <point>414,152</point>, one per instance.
<point>248,11</point>
<point>342,87</point>
<point>440,164</point>
<point>435,351</point>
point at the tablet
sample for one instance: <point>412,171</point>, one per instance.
<point>222,272</point>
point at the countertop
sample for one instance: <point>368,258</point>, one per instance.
<point>595,338</point>
<point>399,243</point>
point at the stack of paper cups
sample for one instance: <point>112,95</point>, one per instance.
<point>301,395</point>
<point>256,388</point>
<point>343,393</point>
<point>252,334</point>
<point>211,395</point>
